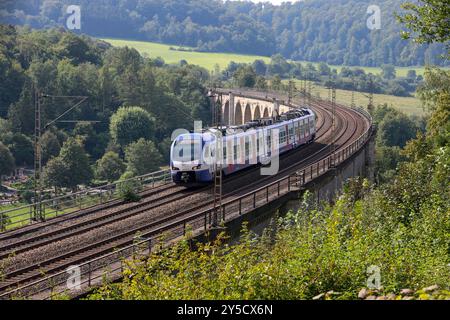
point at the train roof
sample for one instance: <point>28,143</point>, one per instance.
<point>259,123</point>
<point>263,122</point>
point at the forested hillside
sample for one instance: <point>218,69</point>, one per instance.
<point>323,251</point>
<point>315,30</point>
<point>399,228</point>
<point>133,105</point>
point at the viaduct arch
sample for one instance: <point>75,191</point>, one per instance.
<point>237,109</point>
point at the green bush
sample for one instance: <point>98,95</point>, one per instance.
<point>129,189</point>
<point>314,251</point>
<point>27,196</point>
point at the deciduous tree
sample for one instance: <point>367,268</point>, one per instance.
<point>6,160</point>
<point>427,21</point>
<point>110,167</point>
<point>71,168</point>
<point>142,157</point>
<point>130,124</point>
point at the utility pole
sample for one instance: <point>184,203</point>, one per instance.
<point>353,94</point>
<point>329,88</point>
<point>291,88</point>
<point>370,106</point>
<point>309,92</point>
<point>38,214</point>
<point>218,164</point>
<point>332,94</point>
<point>37,157</point>
<point>353,99</point>
<point>333,105</point>
<point>303,89</point>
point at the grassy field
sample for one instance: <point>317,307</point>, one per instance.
<point>22,213</point>
<point>409,105</point>
<point>209,60</point>
<point>203,59</point>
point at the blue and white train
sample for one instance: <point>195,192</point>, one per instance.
<point>192,155</point>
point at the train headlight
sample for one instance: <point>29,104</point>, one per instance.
<point>175,169</point>
<point>197,167</point>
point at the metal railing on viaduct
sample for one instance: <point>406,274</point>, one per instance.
<point>92,273</point>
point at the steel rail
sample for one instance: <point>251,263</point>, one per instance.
<point>227,203</point>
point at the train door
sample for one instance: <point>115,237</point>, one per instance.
<point>241,156</point>
<point>302,129</point>
<point>292,139</point>
<point>261,144</point>
<point>286,128</point>
<point>251,153</point>
<point>312,126</point>
<point>306,126</point>
<point>266,146</point>
<point>283,141</point>
<point>229,153</point>
<point>297,131</point>
<point>268,143</point>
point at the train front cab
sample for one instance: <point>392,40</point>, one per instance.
<point>187,165</point>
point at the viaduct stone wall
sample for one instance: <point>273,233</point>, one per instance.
<point>237,109</point>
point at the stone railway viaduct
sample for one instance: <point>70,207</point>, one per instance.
<point>323,176</point>
<point>239,109</point>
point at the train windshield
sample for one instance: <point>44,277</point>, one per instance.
<point>187,150</point>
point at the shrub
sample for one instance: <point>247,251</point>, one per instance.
<point>128,188</point>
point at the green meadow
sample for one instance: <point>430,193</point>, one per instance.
<point>209,59</point>
<point>408,105</point>
<point>206,60</point>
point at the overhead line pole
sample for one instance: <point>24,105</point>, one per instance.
<point>370,106</point>
<point>333,105</point>
<point>218,163</point>
<point>37,214</point>
<point>38,183</point>
<point>332,94</point>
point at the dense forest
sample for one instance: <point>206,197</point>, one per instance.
<point>334,32</point>
<point>400,223</point>
<point>133,105</point>
<point>325,251</point>
<point>400,227</point>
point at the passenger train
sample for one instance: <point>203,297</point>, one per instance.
<point>192,155</point>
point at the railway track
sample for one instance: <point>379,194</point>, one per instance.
<point>147,193</point>
<point>58,233</point>
<point>347,122</point>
